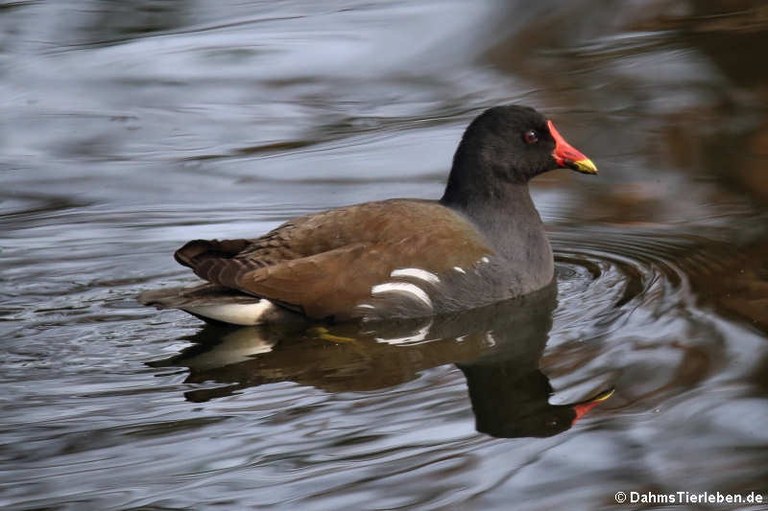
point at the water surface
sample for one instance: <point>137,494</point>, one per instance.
<point>128,130</point>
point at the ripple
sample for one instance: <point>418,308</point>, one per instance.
<point>629,311</point>
<point>115,158</point>
<point>628,267</point>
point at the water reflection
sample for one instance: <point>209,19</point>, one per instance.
<point>497,348</point>
<point>133,127</point>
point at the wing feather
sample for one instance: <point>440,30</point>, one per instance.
<point>326,264</point>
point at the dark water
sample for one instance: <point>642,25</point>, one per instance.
<point>131,127</point>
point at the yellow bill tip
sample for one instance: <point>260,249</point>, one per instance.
<point>585,166</point>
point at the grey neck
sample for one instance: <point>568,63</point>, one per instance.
<point>508,219</point>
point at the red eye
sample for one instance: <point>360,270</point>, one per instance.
<point>531,137</point>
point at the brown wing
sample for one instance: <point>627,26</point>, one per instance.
<point>326,264</point>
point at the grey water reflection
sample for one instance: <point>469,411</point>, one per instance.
<point>497,348</point>
<point>128,128</point>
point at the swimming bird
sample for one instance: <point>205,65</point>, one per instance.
<point>482,242</point>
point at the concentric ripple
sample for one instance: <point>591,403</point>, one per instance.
<point>613,270</point>
<point>631,297</point>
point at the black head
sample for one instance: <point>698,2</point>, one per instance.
<point>510,144</point>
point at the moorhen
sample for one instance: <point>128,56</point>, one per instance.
<point>481,243</point>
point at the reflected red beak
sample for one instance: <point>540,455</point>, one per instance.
<point>567,156</point>
<point>584,407</point>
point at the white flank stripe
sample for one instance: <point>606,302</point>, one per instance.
<point>403,287</point>
<point>484,260</point>
<point>416,273</point>
<point>458,269</point>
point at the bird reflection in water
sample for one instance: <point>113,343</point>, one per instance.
<point>497,348</point>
